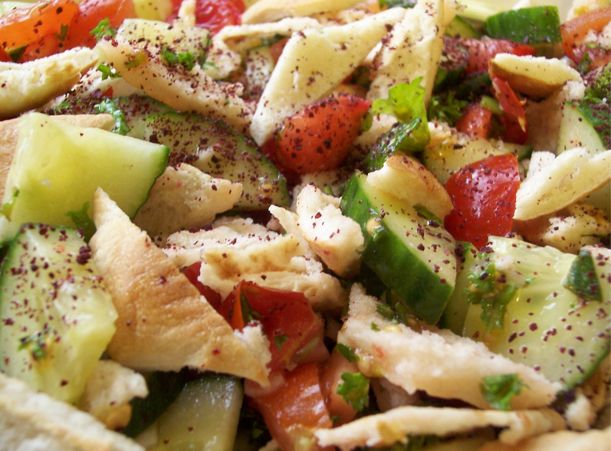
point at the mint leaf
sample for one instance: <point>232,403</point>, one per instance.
<point>354,388</point>
<point>110,107</point>
<point>498,390</point>
<point>103,30</point>
<point>406,102</point>
<point>347,352</point>
<point>582,279</point>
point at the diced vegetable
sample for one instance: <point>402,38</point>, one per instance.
<point>476,121</point>
<point>577,131</point>
<point>582,278</point>
<point>56,316</point>
<point>535,25</point>
<point>574,31</point>
<point>396,238</point>
<point>484,198</point>
<point>545,325</point>
<point>342,361</point>
<point>41,187</point>
<point>214,14</point>
<point>461,28</point>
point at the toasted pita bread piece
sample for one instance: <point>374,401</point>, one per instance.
<point>141,63</point>
<point>35,421</point>
<point>164,322</point>
<point>303,74</point>
<point>396,424</point>
<point>25,86</point>
<point>335,238</point>
<point>9,134</point>
<point>272,10</point>
<point>442,364</point>
<point>593,440</point>
<point>185,198</point>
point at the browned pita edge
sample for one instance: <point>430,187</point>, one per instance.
<point>164,322</point>
<point>9,136</point>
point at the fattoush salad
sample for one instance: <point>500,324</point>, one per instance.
<point>305,225</point>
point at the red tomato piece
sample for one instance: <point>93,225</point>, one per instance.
<point>294,330</point>
<point>192,273</point>
<point>514,117</point>
<point>320,136</point>
<point>4,56</point>
<point>295,408</point>
<point>479,52</point>
<point>90,15</point>
<point>484,198</point>
<point>575,30</point>
<point>214,14</point>
<point>330,378</point>
<point>476,121</point>
<point>25,26</point>
<point>276,49</point>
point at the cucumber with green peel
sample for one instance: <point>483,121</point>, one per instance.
<point>456,311</point>
<point>216,150</point>
<point>56,317</point>
<point>43,187</point>
<point>545,325</point>
<point>204,416</point>
<point>461,28</point>
<point>412,256</point>
<point>576,130</point>
<point>535,25</point>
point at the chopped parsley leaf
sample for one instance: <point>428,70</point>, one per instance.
<point>82,221</point>
<point>347,352</point>
<point>185,59</point>
<point>35,344</point>
<point>110,107</point>
<point>107,71</point>
<point>498,390</point>
<point>582,279</point>
<point>446,107</point>
<point>393,3</point>
<point>354,388</point>
<point>103,30</point>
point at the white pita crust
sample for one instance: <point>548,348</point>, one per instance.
<point>31,421</point>
<point>272,10</point>
<point>593,440</point>
<point>396,424</point>
<point>438,362</point>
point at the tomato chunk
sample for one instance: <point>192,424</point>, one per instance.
<point>484,198</point>
<point>575,30</point>
<point>319,137</point>
<point>214,14</point>
<point>295,408</point>
<point>330,379</point>
<point>514,114</point>
<point>25,26</point>
<point>476,121</point>
<point>90,15</point>
<point>475,54</point>
<point>294,330</point>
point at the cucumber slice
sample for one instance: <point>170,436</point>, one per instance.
<point>57,168</point>
<point>204,416</point>
<point>456,311</point>
<point>536,25</point>
<point>546,326</point>
<point>56,317</point>
<point>218,151</point>
<point>461,28</point>
<point>577,131</point>
<point>412,255</point>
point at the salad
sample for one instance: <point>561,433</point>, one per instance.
<point>305,224</point>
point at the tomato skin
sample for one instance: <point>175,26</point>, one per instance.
<point>213,14</point>
<point>296,407</point>
<point>475,54</point>
<point>514,114</point>
<point>476,121</point>
<point>25,26</point>
<point>90,14</point>
<point>192,273</point>
<point>4,56</point>
<point>484,198</point>
<point>330,378</point>
<point>320,136</point>
<point>294,330</point>
<point>575,30</point>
